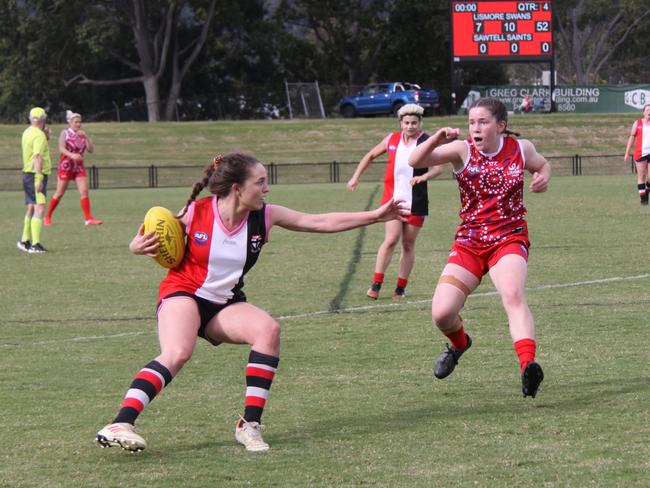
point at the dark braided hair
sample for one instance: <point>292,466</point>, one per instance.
<point>496,108</point>
<point>220,175</point>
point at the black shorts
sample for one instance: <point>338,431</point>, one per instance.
<point>30,189</point>
<point>644,159</point>
<point>207,309</point>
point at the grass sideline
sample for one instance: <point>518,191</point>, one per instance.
<point>354,403</point>
<point>311,141</point>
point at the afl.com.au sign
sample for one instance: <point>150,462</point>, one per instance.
<point>578,99</point>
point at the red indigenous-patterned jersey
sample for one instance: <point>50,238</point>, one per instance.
<point>492,195</point>
<point>216,258</point>
<point>75,143</point>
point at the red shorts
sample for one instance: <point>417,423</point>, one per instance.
<point>71,170</point>
<point>479,261</point>
<point>415,220</point>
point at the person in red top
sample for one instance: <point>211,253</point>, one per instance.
<point>641,132</point>
<point>400,181</point>
<point>73,143</point>
<point>493,235</point>
<point>203,295</point>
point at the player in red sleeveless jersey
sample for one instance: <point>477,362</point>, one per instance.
<point>493,235</point>
<point>73,143</point>
<point>400,181</point>
<point>203,296</point>
<point>641,132</point>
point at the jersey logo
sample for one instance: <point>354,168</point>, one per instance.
<point>256,243</point>
<point>514,170</point>
<point>392,147</point>
<point>200,238</point>
<point>473,170</point>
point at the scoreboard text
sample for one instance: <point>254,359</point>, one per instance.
<point>492,30</point>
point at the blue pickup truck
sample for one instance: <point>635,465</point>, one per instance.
<point>388,98</point>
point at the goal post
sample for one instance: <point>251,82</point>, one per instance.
<point>304,100</point>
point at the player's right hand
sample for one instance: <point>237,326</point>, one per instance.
<point>146,244</point>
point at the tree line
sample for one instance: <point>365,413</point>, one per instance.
<point>211,59</point>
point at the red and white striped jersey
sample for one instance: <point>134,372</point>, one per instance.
<point>216,259</point>
<point>397,179</point>
<point>491,195</point>
<point>642,147</point>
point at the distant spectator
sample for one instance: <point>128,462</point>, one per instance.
<point>526,105</point>
<point>73,143</point>
<point>37,166</point>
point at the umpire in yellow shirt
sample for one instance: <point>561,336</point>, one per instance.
<point>37,166</point>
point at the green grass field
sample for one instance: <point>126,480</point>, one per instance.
<point>311,141</point>
<point>355,402</point>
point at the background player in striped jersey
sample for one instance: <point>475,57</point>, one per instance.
<point>400,181</point>
<point>493,235</point>
<point>641,132</point>
<point>203,295</point>
<point>73,143</point>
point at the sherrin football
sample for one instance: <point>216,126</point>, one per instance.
<point>170,236</point>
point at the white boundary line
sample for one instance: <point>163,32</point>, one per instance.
<point>484,294</point>
<point>360,309</point>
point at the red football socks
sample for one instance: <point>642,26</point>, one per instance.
<point>53,203</point>
<point>458,339</point>
<point>85,206</point>
<point>525,349</point>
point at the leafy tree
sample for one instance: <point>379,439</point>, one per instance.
<point>348,35</point>
<point>160,29</point>
<point>593,32</point>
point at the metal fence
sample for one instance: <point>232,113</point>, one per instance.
<point>154,176</point>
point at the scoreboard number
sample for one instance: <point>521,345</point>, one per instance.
<point>496,30</point>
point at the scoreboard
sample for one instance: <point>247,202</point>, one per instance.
<point>495,30</point>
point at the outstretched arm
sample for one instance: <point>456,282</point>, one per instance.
<point>335,221</point>
<point>538,166</point>
<point>438,149</point>
<point>370,156</point>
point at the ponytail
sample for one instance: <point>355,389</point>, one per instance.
<point>221,175</point>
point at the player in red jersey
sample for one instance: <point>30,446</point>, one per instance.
<point>400,181</point>
<point>203,296</point>
<point>493,235</point>
<point>641,132</point>
<point>73,143</point>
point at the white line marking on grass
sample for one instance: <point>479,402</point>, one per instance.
<point>360,309</point>
<point>483,294</point>
<point>85,338</point>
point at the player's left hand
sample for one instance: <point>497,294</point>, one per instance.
<point>416,179</point>
<point>539,184</point>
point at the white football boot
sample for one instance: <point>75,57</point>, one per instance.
<point>122,435</point>
<point>250,436</point>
